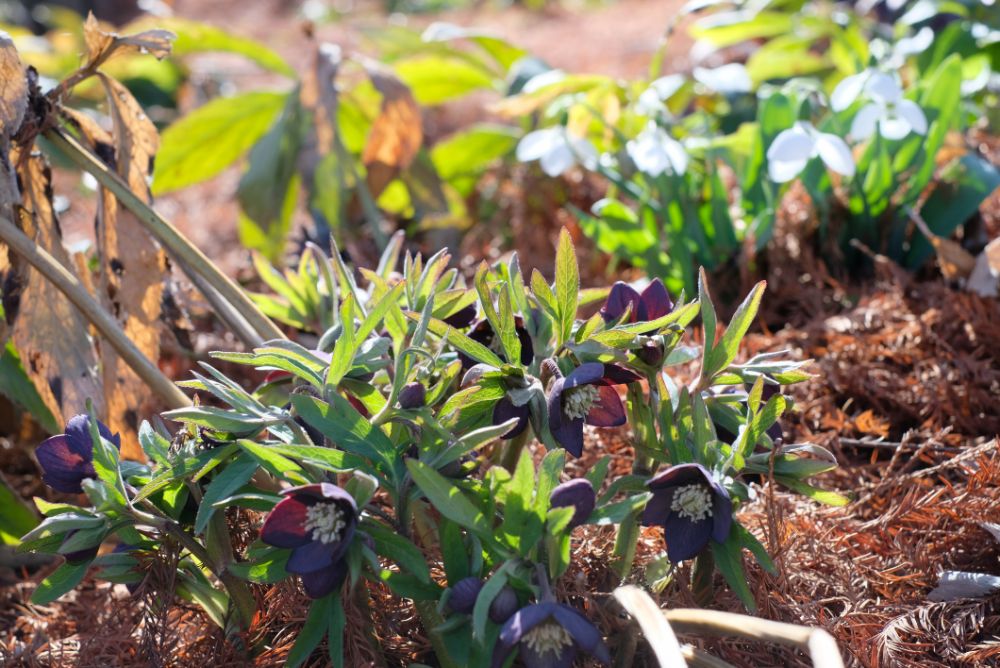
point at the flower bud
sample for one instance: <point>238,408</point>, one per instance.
<point>504,605</point>
<point>651,354</point>
<point>462,598</point>
<point>413,395</point>
<point>578,494</point>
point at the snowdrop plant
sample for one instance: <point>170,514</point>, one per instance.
<point>379,457</point>
<point>793,148</point>
<point>557,150</point>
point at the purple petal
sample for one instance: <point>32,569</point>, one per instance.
<point>612,374</point>
<point>463,595</point>
<point>570,436</point>
<point>505,410</point>
<point>463,317</point>
<point>78,431</point>
<point>678,475</point>
<point>621,297</point>
<point>585,634</point>
<point>320,491</point>
<point>285,524</point>
<point>685,538</point>
<point>655,301</point>
<point>320,583</point>
<point>722,517</point>
<point>585,374</point>
<point>527,347</point>
<point>311,557</point>
<point>64,467</point>
<point>608,410</point>
<point>577,494</point>
<point>658,508</point>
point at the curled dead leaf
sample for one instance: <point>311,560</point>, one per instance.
<point>397,133</point>
<point>101,45</point>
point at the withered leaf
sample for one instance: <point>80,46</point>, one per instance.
<point>133,265</point>
<point>50,334</point>
<point>13,88</point>
<point>396,134</point>
<point>102,45</point>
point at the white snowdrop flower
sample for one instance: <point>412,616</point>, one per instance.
<point>651,100</point>
<point>793,148</point>
<point>542,80</point>
<point>728,79</point>
<point>893,115</point>
<point>654,152</point>
<point>557,150</point>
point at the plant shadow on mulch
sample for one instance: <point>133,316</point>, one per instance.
<point>905,394</point>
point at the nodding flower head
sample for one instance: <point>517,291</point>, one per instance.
<point>68,459</point>
<point>587,395</point>
<point>317,523</point>
<point>483,333</point>
<point>577,494</point>
<point>549,634</point>
<point>652,303</point>
<point>691,506</point>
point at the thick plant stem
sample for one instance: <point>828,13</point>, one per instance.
<point>190,258</point>
<point>623,556</point>
<point>70,286</point>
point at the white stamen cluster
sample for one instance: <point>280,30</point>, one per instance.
<point>326,522</point>
<point>547,637</point>
<point>692,501</point>
<point>578,400</point>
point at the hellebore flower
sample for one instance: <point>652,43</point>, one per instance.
<point>793,148</point>
<point>557,150</point>
<point>504,410</point>
<point>587,395</point>
<point>577,494</point>
<point>316,522</point>
<point>893,115</point>
<point>462,598</point>
<point>483,333</point>
<point>549,635</point>
<point>413,395</point>
<point>654,152</point>
<point>654,302</point>
<point>691,507</point>
<point>68,459</point>
<point>504,605</point>
<point>463,317</point>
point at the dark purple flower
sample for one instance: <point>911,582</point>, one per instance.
<point>653,303</point>
<point>463,317</point>
<point>413,395</point>
<point>483,333</point>
<point>587,395</point>
<point>505,410</point>
<point>578,494</point>
<point>463,595</point>
<point>68,459</point>
<point>504,605</point>
<point>316,522</point>
<point>549,635</point>
<point>691,507</point>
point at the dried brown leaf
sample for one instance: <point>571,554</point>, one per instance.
<point>396,134</point>
<point>101,45</point>
<point>133,266</point>
<point>13,87</point>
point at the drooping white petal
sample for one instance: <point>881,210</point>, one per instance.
<point>558,160</point>
<point>649,103</point>
<point>781,171</point>
<point>583,151</point>
<point>542,80</point>
<point>884,87</point>
<point>835,152</point>
<point>536,144</point>
<point>863,125</point>
<point>795,143</point>
<point>848,90</point>
<point>893,127</point>
<point>914,115</point>
<point>676,154</point>
<point>981,79</point>
<point>665,87</point>
<point>916,44</point>
<point>727,79</point>
<point>646,156</point>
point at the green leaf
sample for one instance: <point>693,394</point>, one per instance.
<point>396,547</point>
<point>469,152</point>
<point>460,341</point>
<point>521,525</point>
<point>335,632</point>
<point>729,561</point>
<point>225,484</point>
<point>16,519</point>
<point>63,579</point>
<point>567,285</point>
<point>750,542</point>
<point>266,569</point>
<point>480,613</point>
<point>329,459</point>
<point>194,37</point>
<point>436,79</point>
<point>17,386</point>
<point>203,143</point>
<point>724,353</point>
<point>312,632</point>
<point>821,495</point>
<point>276,464</point>
<point>449,500</point>
<point>341,423</point>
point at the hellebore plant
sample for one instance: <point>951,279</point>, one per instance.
<point>384,457</point>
